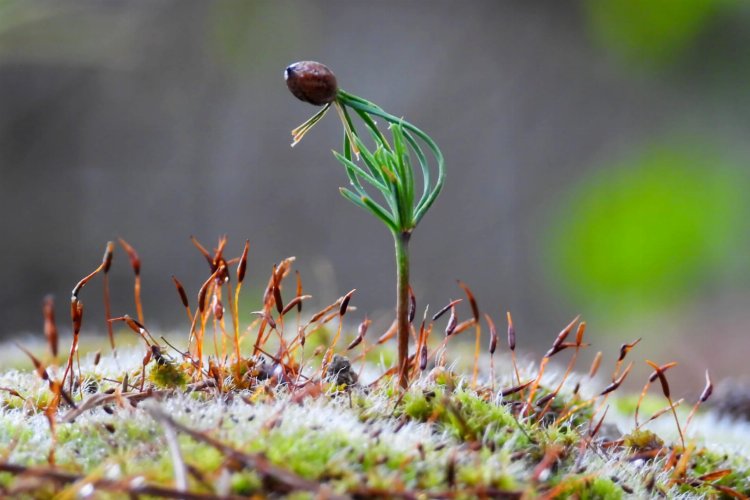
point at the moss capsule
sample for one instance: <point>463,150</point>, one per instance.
<point>311,82</point>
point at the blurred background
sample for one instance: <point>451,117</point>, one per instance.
<point>597,159</point>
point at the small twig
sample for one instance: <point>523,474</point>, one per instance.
<point>287,481</point>
<point>178,464</point>
<point>131,487</point>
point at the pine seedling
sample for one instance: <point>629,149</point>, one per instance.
<point>389,169</point>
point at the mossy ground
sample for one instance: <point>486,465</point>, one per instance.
<point>273,409</point>
<point>440,439</point>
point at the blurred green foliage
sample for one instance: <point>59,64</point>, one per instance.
<point>650,231</point>
<point>650,32</point>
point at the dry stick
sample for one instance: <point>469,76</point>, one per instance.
<point>103,398</point>
<point>178,463</point>
<point>135,263</point>
<point>257,461</point>
<point>114,485</point>
<point>665,390</point>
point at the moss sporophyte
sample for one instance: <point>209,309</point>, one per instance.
<point>389,170</point>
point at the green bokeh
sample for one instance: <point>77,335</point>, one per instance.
<point>649,232</point>
<point>650,32</point>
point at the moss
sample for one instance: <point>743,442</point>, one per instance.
<point>205,457</point>
<point>601,488</point>
<point>471,417</point>
<point>705,462</point>
<point>417,406</point>
<point>489,446</point>
<point>310,456</point>
<point>245,483</point>
<point>167,375</point>
<point>589,488</point>
<point>643,440</point>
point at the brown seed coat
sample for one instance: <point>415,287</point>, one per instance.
<point>311,82</point>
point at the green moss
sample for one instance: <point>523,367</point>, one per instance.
<point>471,417</point>
<point>245,483</point>
<point>643,440</point>
<point>167,375</point>
<point>205,457</point>
<point>417,406</point>
<point>706,462</point>
<point>600,488</point>
<point>588,488</point>
<point>488,445</point>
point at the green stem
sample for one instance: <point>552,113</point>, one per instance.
<point>402,304</point>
